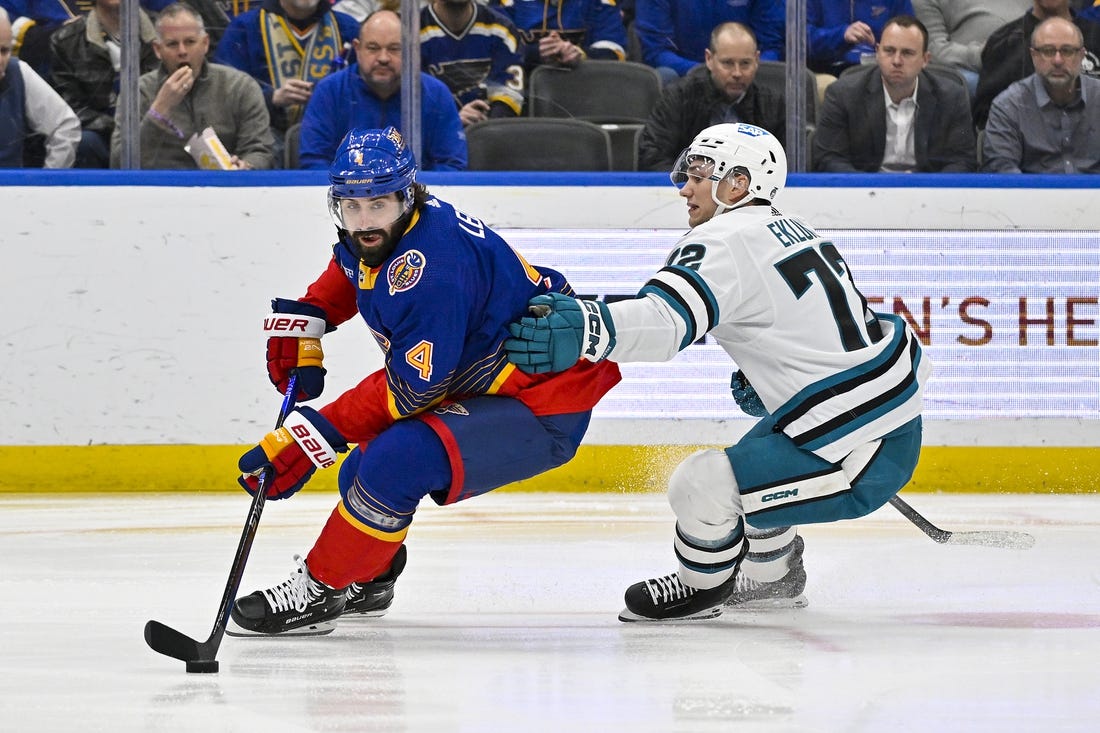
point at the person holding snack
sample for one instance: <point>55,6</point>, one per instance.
<point>196,114</point>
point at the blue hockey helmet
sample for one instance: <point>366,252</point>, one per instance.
<point>370,163</point>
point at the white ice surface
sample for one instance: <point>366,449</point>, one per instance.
<point>505,620</point>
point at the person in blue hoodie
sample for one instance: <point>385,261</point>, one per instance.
<point>368,94</point>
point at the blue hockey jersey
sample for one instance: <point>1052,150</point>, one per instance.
<point>439,308</point>
<point>594,25</point>
<point>483,61</point>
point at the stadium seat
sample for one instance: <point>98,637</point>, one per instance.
<point>596,91</point>
<point>528,144</point>
<point>290,152</point>
<point>773,75</point>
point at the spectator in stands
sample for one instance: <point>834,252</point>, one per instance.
<point>287,46</point>
<point>1089,10</point>
<point>1006,57</point>
<point>368,94</point>
<point>187,93</point>
<point>674,34</point>
<point>35,21</point>
<point>896,115</point>
<point>85,60</point>
<point>958,29</point>
<point>722,90</point>
<point>1048,121</point>
<point>843,33</point>
<point>568,31</point>
<point>28,104</point>
<point>478,54</point>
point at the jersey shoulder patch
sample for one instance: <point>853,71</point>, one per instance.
<point>406,271</point>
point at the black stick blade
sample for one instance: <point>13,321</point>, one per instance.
<point>171,643</point>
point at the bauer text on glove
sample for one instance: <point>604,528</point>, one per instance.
<point>305,442</point>
<point>560,331</point>
<point>294,331</point>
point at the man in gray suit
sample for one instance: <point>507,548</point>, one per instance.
<point>896,115</point>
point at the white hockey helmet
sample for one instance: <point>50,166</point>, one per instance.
<point>720,150</point>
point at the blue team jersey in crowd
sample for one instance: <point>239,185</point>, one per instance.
<point>483,61</point>
<point>594,25</point>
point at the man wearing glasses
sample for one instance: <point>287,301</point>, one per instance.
<point>1006,57</point>
<point>1042,124</point>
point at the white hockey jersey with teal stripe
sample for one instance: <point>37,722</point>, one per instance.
<point>781,301</point>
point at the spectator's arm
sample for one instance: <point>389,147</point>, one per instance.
<point>48,115</point>
<point>960,149</point>
<point>659,143</point>
<point>232,50</point>
<point>319,136</point>
<point>652,23</point>
<point>254,139</point>
<point>943,49</point>
<point>1003,150</point>
<point>505,83</point>
<point>768,21</point>
<point>606,35</point>
<point>444,139</point>
<point>824,44</point>
<point>832,149</point>
<point>66,82</point>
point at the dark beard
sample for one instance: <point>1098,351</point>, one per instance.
<point>377,255</point>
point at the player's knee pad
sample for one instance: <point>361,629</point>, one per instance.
<point>703,489</point>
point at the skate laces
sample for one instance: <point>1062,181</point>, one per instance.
<point>296,592</point>
<point>743,583</point>
<point>667,588</point>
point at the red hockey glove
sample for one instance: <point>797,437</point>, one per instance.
<point>294,332</point>
<point>305,442</point>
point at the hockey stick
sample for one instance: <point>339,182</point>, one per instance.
<point>989,538</point>
<point>200,656</point>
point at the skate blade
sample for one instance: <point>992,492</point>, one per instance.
<point>372,613</point>
<point>628,616</point>
<point>317,629</point>
<point>769,604</point>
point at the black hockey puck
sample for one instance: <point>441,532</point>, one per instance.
<point>203,666</point>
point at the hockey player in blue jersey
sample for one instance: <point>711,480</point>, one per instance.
<point>837,387</point>
<point>447,416</point>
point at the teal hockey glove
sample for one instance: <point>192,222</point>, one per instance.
<point>559,332</point>
<point>744,394</point>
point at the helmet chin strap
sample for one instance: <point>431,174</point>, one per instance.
<point>723,207</point>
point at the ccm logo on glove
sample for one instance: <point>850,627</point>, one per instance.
<point>595,329</point>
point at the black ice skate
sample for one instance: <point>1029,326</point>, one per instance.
<point>786,592</point>
<point>301,605</point>
<point>374,598</point>
<point>667,599</point>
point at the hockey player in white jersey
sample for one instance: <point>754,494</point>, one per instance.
<point>837,386</point>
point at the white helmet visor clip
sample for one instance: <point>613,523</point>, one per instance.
<point>692,165</point>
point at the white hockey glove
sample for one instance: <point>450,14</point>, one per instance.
<point>560,332</point>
